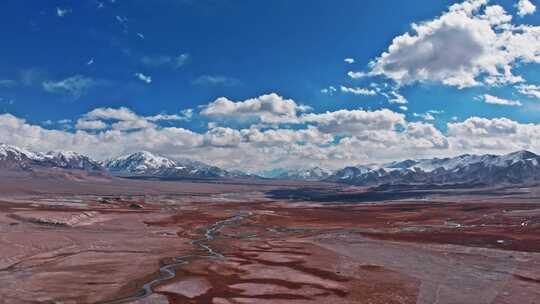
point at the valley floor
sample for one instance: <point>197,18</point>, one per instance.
<point>224,244</point>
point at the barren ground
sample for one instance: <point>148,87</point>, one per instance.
<point>105,242</point>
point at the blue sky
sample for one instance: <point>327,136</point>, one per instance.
<point>64,59</point>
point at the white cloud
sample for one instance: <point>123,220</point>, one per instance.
<point>222,137</point>
<point>424,116</point>
<point>62,12</point>
<point>428,115</point>
<point>329,90</point>
<point>269,108</point>
<point>272,137</point>
<point>76,86</point>
<point>529,90</point>
<point>435,111</point>
<point>83,124</point>
<point>356,75</point>
<point>143,78</point>
<point>358,91</point>
<point>121,118</point>
<point>469,45</point>
<point>332,139</point>
<point>395,97</point>
<point>137,124</point>
<point>184,115</point>
<point>499,101</point>
<point>187,113</point>
<point>426,136</point>
<point>477,126</point>
<point>349,122</point>
<point>349,60</point>
<point>124,119</point>
<point>525,7</point>
<point>498,135</point>
<point>121,113</point>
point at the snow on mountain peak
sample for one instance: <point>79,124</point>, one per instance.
<point>140,161</point>
<point>17,153</point>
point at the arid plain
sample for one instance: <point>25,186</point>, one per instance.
<point>127,241</point>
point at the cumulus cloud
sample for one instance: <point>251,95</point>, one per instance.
<point>468,45</point>
<point>83,124</point>
<point>477,126</point>
<point>349,60</point>
<point>269,108</point>
<point>525,7</point>
<point>350,122</point>
<point>498,135</point>
<point>499,101</point>
<point>222,137</point>
<point>184,115</point>
<point>273,137</point>
<point>331,139</point>
<point>102,144</point>
<point>125,119</point>
<point>75,86</point>
<point>121,113</point>
<point>426,136</point>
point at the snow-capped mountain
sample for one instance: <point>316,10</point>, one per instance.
<point>146,164</point>
<point>311,174</point>
<point>13,157</point>
<point>487,169</point>
<point>71,160</point>
<point>467,169</point>
<point>141,164</point>
<point>348,173</point>
<point>138,163</point>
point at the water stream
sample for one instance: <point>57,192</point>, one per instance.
<point>168,271</point>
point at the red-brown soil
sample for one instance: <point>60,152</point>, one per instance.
<point>103,245</point>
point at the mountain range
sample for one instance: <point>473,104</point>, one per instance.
<point>145,165</point>
<point>136,165</point>
<point>310,174</point>
<point>467,169</point>
<point>12,157</point>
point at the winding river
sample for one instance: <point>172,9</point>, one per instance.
<point>168,271</point>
